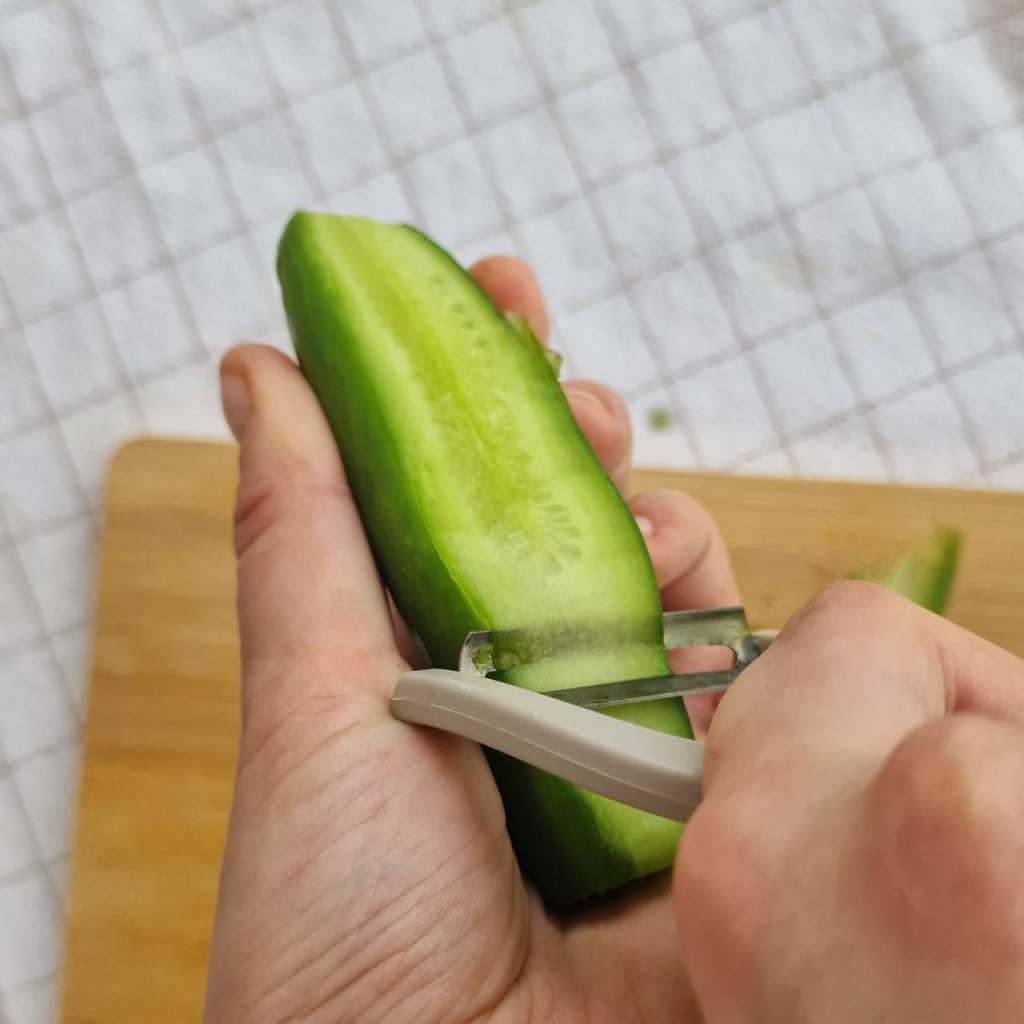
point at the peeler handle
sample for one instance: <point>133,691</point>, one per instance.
<point>628,763</point>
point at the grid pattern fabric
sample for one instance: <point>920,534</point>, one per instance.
<point>790,231</point>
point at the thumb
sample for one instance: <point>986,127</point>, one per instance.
<point>313,617</point>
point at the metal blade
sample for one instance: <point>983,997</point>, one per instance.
<point>711,627</point>
<point>639,691</point>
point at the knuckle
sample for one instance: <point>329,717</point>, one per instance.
<point>612,404</point>
<point>946,821</point>
<point>846,601</point>
<point>681,515</point>
<point>609,397</point>
<point>614,401</point>
<point>254,512</point>
<point>845,596</point>
<point>263,504</point>
<point>685,536</point>
<point>922,789</point>
<point>687,509</point>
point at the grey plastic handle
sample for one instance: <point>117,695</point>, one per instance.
<point>625,762</point>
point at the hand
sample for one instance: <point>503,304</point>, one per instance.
<point>859,853</point>
<point>368,875</point>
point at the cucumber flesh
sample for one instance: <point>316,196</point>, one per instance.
<point>485,508</point>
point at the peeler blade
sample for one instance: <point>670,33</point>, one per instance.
<point>640,691</point>
<point>714,627</point>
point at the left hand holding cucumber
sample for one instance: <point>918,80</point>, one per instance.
<point>368,874</point>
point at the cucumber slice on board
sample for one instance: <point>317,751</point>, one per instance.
<point>485,508</point>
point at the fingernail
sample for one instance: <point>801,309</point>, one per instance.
<point>585,398</point>
<point>646,525</point>
<point>234,397</point>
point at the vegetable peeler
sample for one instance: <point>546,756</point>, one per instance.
<point>559,732</point>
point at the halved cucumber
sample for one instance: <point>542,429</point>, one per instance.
<point>485,508</point>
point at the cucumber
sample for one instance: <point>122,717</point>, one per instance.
<point>926,572</point>
<point>485,509</point>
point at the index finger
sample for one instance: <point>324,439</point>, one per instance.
<point>511,286</point>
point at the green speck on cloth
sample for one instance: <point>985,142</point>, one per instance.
<point>659,418</point>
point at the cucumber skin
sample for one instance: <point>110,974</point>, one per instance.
<point>925,574</point>
<point>572,844</point>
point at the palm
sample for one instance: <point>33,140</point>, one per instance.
<point>436,924</point>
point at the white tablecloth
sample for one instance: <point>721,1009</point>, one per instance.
<point>791,232</point>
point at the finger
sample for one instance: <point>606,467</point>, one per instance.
<point>511,286</point>
<point>693,571</point>
<point>308,589</point>
<point>845,681</point>
<point>953,785</point>
<point>849,677</point>
<point>687,550</point>
<point>984,678</point>
<point>600,412</point>
<point>603,417</point>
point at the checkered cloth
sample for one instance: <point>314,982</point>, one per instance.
<point>791,232</point>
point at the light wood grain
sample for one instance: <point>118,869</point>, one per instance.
<point>162,724</point>
<point>160,740</point>
<point>790,538</point>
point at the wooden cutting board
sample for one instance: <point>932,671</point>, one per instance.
<point>163,718</point>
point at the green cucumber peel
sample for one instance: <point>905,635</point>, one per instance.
<point>926,572</point>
